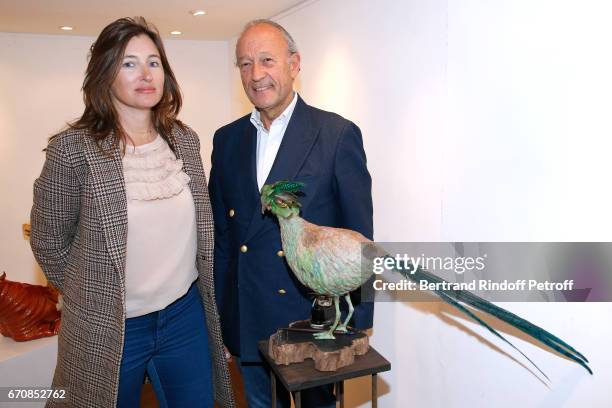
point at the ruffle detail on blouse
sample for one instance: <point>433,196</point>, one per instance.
<point>152,172</point>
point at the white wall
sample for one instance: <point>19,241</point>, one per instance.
<point>529,106</point>
<point>40,82</point>
<point>482,121</point>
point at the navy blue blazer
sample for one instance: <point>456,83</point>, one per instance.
<point>255,289</point>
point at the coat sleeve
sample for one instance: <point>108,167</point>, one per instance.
<point>353,185</point>
<point>55,213</point>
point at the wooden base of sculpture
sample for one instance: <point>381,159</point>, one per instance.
<point>295,343</point>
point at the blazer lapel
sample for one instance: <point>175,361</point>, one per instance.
<point>247,166</point>
<point>247,172</point>
<point>109,193</point>
<point>297,142</point>
<point>294,149</point>
<point>196,185</point>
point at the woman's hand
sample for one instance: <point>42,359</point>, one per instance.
<point>228,355</point>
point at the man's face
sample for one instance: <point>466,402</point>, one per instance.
<point>266,69</point>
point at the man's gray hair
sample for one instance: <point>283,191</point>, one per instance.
<point>290,42</point>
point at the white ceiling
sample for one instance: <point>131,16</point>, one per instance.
<point>224,18</point>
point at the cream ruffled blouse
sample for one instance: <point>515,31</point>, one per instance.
<point>161,240</point>
<point>153,172</point>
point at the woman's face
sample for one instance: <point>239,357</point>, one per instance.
<point>139,84</point>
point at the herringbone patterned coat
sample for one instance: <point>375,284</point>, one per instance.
<point>79,232</point>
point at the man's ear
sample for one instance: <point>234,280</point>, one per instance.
<point>294,64</point>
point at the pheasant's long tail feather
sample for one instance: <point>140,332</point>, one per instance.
<point>454,297</point>
<point>469,313</point>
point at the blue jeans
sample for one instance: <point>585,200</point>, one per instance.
<point>171,346</point>
<point>256,378</point>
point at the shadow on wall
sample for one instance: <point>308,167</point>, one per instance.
<point>358,391</point>
<point>432,305</point>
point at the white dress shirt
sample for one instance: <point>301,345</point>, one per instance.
<point>269,141</point>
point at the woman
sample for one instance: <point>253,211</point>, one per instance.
<point>122,226</point>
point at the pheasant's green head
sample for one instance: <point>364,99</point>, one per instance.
<point>281,198</point>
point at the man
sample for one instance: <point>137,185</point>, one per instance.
<point>282,139</point>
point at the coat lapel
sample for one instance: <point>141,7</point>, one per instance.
<point>108,188</point>
<point>197,185</point>
<point>298,140</point>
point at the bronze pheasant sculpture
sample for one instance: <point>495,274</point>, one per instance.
<point>328,261</point>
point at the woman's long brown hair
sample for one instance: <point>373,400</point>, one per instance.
<point>100,117</point>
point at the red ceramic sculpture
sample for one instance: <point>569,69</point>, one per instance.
<point>27,312</point>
